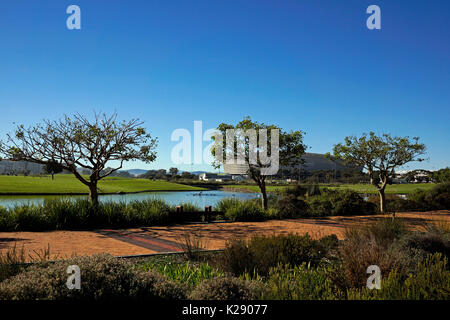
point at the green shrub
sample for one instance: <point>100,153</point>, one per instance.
<point>339,203</point>
<point>224,204</point>
<point>290,206</point>
<point>245,211</point>
<point>424,243</point>
<point>187,273</point>
<point>102,277</point>
<point>261,253</point>
<point>190,207</point>
<point>401,205</point>
<point>226,288</point>
<point>437,198</point>
<point>431,281</point>
<point>300,283</point>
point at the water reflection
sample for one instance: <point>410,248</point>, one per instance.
<point>201,199</point>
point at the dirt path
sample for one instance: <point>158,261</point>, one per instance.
<point>148,240</point>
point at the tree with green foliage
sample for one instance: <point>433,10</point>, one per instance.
<point>441,175</point>
<point>52,168</point>
<point>78,142</point>
<point>380,156</point>
<point>290,149</point>
<point>188,176</point>
<point>173,172</point>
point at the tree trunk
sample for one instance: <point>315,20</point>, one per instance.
<point>93,193</point>
<point>382,200</point>
<point>262,187</point>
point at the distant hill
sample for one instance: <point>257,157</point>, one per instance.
<point>19,167</point>
<point>136,172</point>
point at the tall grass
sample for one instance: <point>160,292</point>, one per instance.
<point>79,214</point>
<point>12,261</point>
<point>241,210</point>
<point>192,243</point>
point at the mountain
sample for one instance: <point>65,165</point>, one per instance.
<point>136,172</point>
<point>19,167</point>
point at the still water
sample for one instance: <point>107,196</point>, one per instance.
<point>201,199</point>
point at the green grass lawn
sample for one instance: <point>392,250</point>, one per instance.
<point>360,188</point>
<point>67,183</point>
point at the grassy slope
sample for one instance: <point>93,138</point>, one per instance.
<point>361,188</point>
<point>66,183</point>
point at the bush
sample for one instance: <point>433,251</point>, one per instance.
<point>339,203</point>
<point>374,244</point>
<point>260,253</point>
<point>224,204</point>
<point>431,281</point>
<point>300,283</point>
<point>291,206</point>
<point>438,198</point>
<point>190,207</point>
<point>102,277</point>
<point>227,288</point>
<point>245,211</point>
<point>424,243</point>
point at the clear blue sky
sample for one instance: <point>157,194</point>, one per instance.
<point>309,65</point>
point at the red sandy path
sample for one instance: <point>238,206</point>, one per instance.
<point>68,243</point>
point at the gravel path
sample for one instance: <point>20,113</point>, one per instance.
<point>147,240</point>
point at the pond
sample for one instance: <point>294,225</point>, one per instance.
<point>201,199</point>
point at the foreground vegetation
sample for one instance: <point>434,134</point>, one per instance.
<point>414,265</point>
<point>79,214</point>
<point>68,184</point>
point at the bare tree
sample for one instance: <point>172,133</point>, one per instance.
<point>77,142</point>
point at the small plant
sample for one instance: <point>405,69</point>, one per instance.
<point>14,260</point>
<point>192,243</point>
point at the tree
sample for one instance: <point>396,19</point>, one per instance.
<point>440,176</point>
<point>161,174</point>
<point>79,142</point>
<point>187,175</point>
<point>150,174</point>
<point>53,167</point>
<point>290,149</point>
<point>173,172</point>
<point>380,156</point>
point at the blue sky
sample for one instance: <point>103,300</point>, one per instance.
<point>307,65</point>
